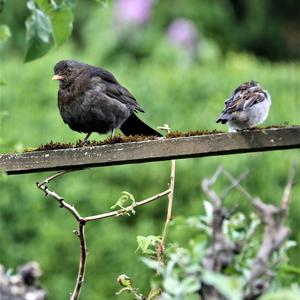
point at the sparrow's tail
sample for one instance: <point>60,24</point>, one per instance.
<point>134,126</point>
<point>224,118</point>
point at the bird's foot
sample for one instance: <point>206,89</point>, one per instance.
<point>85,140</point>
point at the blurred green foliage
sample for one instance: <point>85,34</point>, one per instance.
<point>49,23</point>
<point>188,95</point>
<point>184,274</point>
<point>269,29</point>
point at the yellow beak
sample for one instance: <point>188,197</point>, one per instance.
<point>58,77</point>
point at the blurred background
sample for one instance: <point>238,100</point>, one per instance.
<point>181,60</point>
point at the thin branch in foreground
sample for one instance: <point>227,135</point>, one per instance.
<point>82,262</point>
<point>127,209</point>
<point>50,178</point>
<point>42,185</point>
<point>170,201</point>
<point>161,246</point>
<point>60,200</point>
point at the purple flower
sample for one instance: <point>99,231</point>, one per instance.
<point>133,11</point>
<point>183,33</point>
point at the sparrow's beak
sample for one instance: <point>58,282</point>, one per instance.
<point>58,77</point>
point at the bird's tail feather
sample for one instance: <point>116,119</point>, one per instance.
<point>134,126</point>
<point>224,118</point>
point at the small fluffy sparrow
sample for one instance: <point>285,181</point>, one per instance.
<point>247,107</point>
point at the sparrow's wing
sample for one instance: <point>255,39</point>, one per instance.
<point>252,99</point>
<point>112,88</point>
<point>243,101</point>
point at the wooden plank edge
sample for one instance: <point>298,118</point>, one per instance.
<point>295,143</point>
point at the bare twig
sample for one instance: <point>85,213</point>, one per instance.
<point>235,183</point>
<point>161,246</point>
<point>287,191</point>
<point>170,201</point>
<point>275,234</point>
<point>50,178</point>
<point>222,250</point>
<point>61,201</point>
<point>238,186</point>
<point>82,262</point>
<point>125,210</point>
<point>216,175</point>
<point>42,185</point>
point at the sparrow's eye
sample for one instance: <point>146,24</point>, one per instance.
<point>69,70</point>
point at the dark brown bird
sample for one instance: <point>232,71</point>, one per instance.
<point>90,99</point>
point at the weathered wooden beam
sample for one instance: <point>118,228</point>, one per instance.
<point>152,150</point>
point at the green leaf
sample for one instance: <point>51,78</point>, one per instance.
<point>123,200</point>
<point>152,264</point>
<point>171,286</point>
<point>229,286</point>
<point>190,285</point>
<point>62,24</point>
<point>5,33</point>
<point>290,269</point>
<point>50,22</point>
<point>61,17</point>
<point>154,294</point>
<point>124,281</point>
<point>46,6</point>
<point>145,242</point>
<point>38,33</point>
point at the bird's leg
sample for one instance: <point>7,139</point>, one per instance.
<point>112,133</point>
<point>86,138</point>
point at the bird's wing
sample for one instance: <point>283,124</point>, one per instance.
<point>253,98</point>
<point>113,89</point>
<point>243,101</point>
<point>104,74</point>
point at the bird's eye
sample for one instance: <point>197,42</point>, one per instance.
<point>69,70</point>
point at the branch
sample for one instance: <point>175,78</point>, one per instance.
<point>222,250</point>
<point>170,201</point>
<point>287,191</point>
<point>60,200</point>
<point>82,261</point>
<point>125,210</point>
<point>161,246</point>
<point>275,234</point>
<point>42,185</point>
<point>237,184</point>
